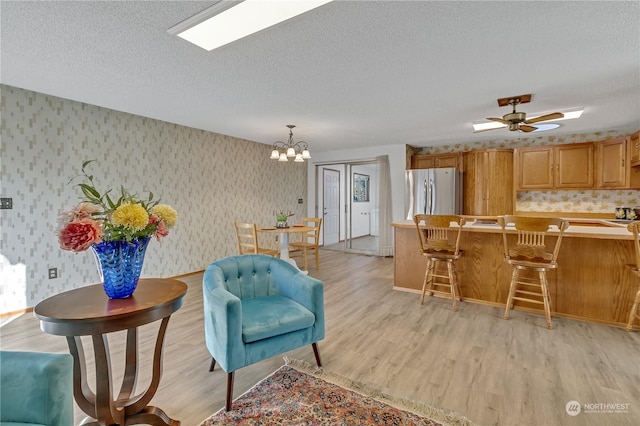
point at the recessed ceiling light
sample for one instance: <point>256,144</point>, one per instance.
<point>228,21</point>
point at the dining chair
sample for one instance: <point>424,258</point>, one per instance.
<point>529,251</point>
<point>440,244</point>
<point>308,242</point>
<point>247,237</point>
<point>634,313</point>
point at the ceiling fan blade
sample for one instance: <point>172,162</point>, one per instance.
<point>499,120</point>
<point>526,128</point>
<point>546,117</point>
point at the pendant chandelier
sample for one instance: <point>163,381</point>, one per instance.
<point>282,151</point>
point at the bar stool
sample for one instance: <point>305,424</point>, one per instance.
<point>530,253</point>
<point>634,313</point>
<point>440,243</point>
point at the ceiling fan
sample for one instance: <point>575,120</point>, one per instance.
<point>518,120</point>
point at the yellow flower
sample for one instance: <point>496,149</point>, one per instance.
<point>165,212</point>
<point>132,216</point>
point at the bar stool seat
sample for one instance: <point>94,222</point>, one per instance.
<point>440,244</point>
<point>531,253</point>
<point>634,314</point>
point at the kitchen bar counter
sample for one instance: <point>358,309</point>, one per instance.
<point>592,282</point>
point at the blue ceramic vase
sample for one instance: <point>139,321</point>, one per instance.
<point>119,265</point>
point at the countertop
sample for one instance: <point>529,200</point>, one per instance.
<point>592,228</point>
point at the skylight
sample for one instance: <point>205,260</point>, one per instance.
<point>228,21</point>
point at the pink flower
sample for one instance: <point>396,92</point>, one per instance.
<point>78,235</point>
<point>86,210</point>
<point>81,211</point>
<point>161,229</point>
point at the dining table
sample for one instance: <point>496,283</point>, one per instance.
<point>283,237</point>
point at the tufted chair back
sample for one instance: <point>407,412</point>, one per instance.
<point>249,276</point>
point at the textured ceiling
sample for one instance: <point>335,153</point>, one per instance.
<point>348,74</point>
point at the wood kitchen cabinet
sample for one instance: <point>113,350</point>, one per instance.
<point>634,142</point>
<point>556,167</point>
<point>437,161</point>
<point>612,168</point>
<point>534,168</point>
<point>574,166</point>
<point>488,182</point>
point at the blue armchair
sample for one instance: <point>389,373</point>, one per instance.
<point>256,307</point>
<point>36,389</point>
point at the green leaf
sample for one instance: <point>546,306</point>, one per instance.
<point>85,163</point>
<point>110,202</point>
<point>89,192</point>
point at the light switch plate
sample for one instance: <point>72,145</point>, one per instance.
<point>6,203</point>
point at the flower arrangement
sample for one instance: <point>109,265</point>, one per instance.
<point>282,217</point>
<point>98,218</point>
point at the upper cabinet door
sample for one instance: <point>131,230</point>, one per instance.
<point>612,167</point>
<point>437,161</point>
<point>574,166</point>
<point>634,142</point>
<point>422,161</point>
<point>488,182</point>
<point>535,167</point>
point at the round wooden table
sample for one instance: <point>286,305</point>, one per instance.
<point>284,237</point>
<point>87,311</point>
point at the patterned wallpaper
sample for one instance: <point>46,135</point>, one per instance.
<point>595,201</point>
<point>211,179</point>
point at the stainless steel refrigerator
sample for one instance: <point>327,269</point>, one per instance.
<point>433,191</point>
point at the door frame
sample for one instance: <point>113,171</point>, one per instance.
<point>320,208</point>
<point>347,199</point>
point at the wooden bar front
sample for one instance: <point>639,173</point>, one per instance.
<point>592,282</point>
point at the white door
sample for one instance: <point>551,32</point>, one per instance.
<point>331,214</point>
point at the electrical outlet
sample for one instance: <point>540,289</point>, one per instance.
<point>6,203</point>
<point>300,201</point>
<point>53,273</point>
<point>276,238</point>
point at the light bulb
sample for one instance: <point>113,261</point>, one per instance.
<point>299,158</point>
<point>283,157</point>
<point>275,154</point>
<point>291,152</point>
<point>305,154</point>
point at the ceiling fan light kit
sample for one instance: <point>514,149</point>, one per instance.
<point>517,121</point>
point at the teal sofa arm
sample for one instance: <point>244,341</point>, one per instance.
<point>36,388</point>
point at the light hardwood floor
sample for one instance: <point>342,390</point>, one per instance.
<point>493,371</point>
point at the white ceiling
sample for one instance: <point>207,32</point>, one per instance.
<point>348,74</point>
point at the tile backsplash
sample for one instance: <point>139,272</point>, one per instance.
<point>586,201</point>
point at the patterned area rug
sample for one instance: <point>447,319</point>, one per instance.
<point>295,394</point>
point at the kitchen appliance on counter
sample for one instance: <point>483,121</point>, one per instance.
<point>627,213</point>
<point>433,191</point>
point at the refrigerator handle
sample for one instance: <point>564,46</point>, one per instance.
<point>432,189</point>
<point>425,195</point>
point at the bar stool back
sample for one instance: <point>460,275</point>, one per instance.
<point>530,252</point>
<point>440,244</point>
<point>635,313</point>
